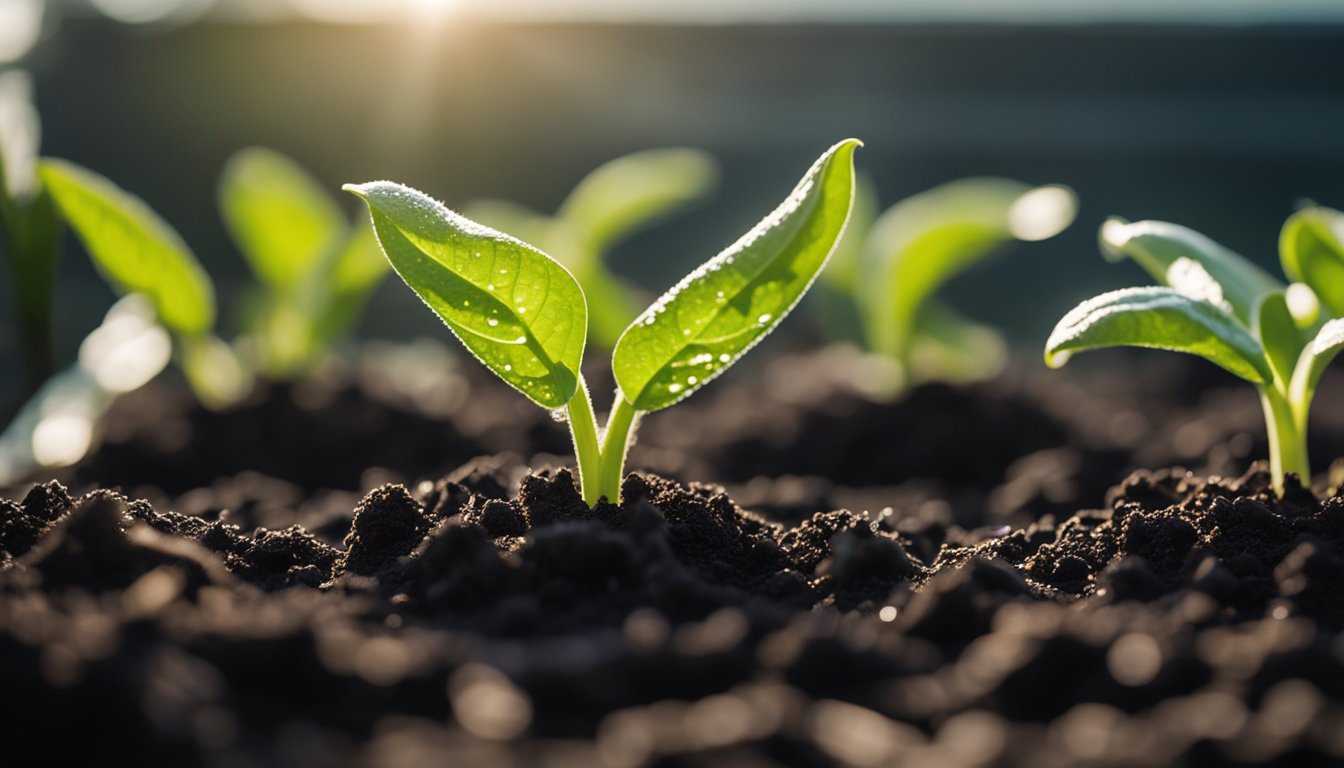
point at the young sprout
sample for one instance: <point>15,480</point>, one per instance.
<point>1216,304</point>
<point>525,316</point>
<point>893,264</point>
<point>618,199</point>
<point>314,269</point>
<point>138,252</point>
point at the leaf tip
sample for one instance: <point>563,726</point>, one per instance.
<point>1115,232</point>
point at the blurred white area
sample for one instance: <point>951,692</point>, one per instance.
<point>20,131</point>
<point>20,25</point>
<point>726,11</point>
<point>59,425</point>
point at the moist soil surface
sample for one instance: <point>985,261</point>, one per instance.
<point>1189,620</point>
<point>371,572</point>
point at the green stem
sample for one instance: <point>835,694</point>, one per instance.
<point>1287,442</point>
<point>615,443</point>
<point>587,451</point>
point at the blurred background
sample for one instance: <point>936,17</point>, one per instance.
<point>1218,115</point>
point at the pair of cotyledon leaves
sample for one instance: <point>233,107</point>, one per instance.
<point>525,316</point>
<point>1219,306</point>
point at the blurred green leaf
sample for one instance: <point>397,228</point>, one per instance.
<point>356,270</point>
<point>920,243</point>
<point>1311,252</point>
<point>518,310</point>
<point>280,217</point>
<point>132,247</point>
<point>843,271</point>
<point>634,191</point>
<point>1162,248</point>
<point>949,347</point>
<point>718,312</point>
<point>1159,318</point>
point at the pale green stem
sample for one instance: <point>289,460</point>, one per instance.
<point>1287,442</point>
<point>587,451</point>
<point>615,444</point>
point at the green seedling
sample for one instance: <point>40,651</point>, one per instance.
<point>891,265</point>
<point>524,315</point>
<point>615,201</point>
<point>1215,304</point>
<point>139,253</point>
<point>314,269</point>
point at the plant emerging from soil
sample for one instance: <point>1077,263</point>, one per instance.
<point>889,267</point>
<point>619,198</point>
<point>525,316</point>
<point>1220,306</point>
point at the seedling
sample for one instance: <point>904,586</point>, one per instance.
<point>1219,306</point>
<point>138,252</point>
<point>618,199</point>
<point>314,269</point>
<point>891,266</point>
<point>525,316</point>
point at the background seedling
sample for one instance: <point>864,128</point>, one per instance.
<point>525,316</point>
<point>314,269</point>
<point>891,265</point>
<point>618,199</point>
<point>1216,304</point>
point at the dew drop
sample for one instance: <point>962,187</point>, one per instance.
<point>492,322</point>
<point>691,381</point>
<point>520,340</point>
<point>674,388</point>
<point>522,309</point>
<point>490,287</point>
<point>508,367</point>
<point>765,318</point>
<point>725,357</point>
<point>686,332</point>
<point>503,271</point>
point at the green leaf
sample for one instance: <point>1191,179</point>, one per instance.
<point>949,347</point>
<point>1158,318</point>
<point>356,270</point>
<point>633,192</point>
<point>1327,345</point>
<point>507,216</point>
<point>514,307</point>
<point>133,248</point>
<point>920,243</point>
<point>1164,250</point>
<point>719,311</point>
<point>843,271</point>
<point>1279,336</point>
<point>279,215</point>
<point>1311,252</point>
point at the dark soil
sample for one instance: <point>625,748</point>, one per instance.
<point>1189,621</point>
<point>325,576</point>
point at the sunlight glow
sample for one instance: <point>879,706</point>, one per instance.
<point>1042,213</point>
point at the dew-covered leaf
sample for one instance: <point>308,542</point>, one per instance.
<point>719,311</point>
<point>1157,246</point>
<point>280,216</point>
<point>1158,318</point>
<point>133,248</point>
<point>1311,250</point>
<point>513,306</point>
